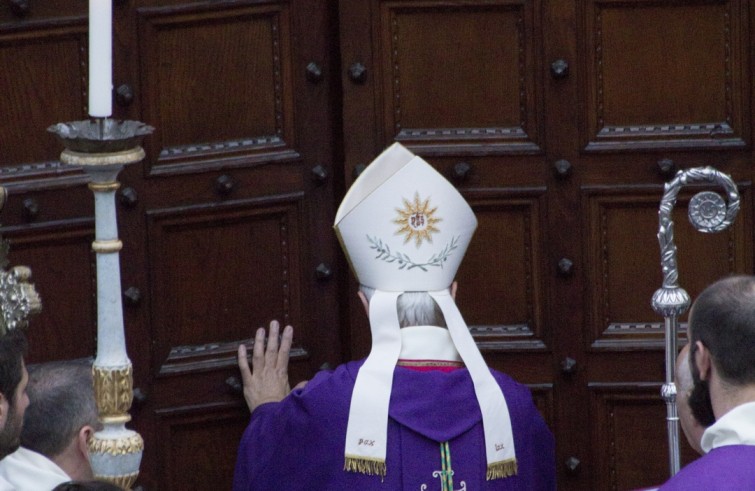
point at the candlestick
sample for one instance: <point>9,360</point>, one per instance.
<point>102,148</point>
<point>100,58</point>
<point>115,452</point>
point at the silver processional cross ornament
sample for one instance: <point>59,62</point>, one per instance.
<point>708,212</point>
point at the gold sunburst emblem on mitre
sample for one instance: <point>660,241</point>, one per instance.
<point>417,220</point>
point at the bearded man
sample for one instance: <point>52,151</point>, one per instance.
<point>722,364</point>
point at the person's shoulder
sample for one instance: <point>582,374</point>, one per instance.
<point>692,477</point>
<point>736,462</point>
<point>518,396</point>
<point>20,456</point>
<point>509,386</point>
<point>344,374</point>
<point>503,377</point>
<point>328,384</point>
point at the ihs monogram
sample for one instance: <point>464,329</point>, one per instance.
<point>417,221</point>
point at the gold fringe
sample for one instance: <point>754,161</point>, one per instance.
<point>430,363</point>
<point>499,470</point>
<point>365,465</point>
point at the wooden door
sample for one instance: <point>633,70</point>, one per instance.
<point>660,86</point>
<point>225,224</point>
<point>560,123</point>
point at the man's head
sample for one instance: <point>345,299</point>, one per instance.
<point>62,414</point>
<point>722,342</point>
<point>13,398</point>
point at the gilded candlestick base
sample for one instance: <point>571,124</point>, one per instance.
<point>116,454</point>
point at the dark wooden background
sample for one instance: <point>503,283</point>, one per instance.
<point>559,122</point>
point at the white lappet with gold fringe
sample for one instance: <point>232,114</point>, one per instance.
<point>404,227</point>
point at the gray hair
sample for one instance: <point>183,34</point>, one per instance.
<point>61,402</point>
<point>414,308</point>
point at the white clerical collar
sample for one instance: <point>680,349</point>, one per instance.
<point>427,343</point>
<point>737,427</point>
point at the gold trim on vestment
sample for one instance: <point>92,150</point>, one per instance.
<point>430,363</point>
<point>365,465</point>
<point>499,470</point>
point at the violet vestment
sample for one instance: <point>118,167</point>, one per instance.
<point>729,462</point>
<point>298,443</point>
<point>729,468</point>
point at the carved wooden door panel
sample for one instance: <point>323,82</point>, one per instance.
<point>237,194</point>
<point>560,123</point>
<point>659,86</point>
<point>222,224</point>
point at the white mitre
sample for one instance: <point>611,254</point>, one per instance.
<point>404,227</point>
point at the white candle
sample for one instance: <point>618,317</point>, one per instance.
<point>100,58</point>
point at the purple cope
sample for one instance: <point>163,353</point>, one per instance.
<point>727,468</point>
<point>298,443</point>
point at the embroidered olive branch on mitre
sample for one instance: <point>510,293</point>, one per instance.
<point>404,261</point>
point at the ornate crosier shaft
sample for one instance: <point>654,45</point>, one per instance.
<point>708,213</point>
